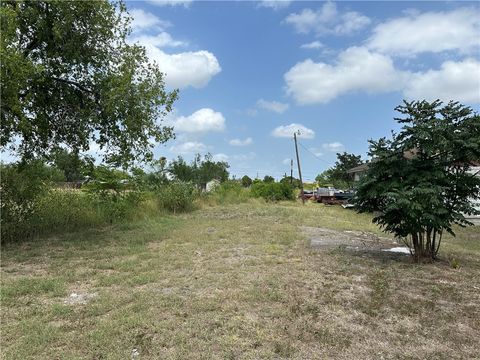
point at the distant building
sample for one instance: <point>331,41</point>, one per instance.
<point>358,172</point>
<point>211,185</point>
<point>475,170</point>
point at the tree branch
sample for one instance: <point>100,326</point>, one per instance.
<point>74,83</point>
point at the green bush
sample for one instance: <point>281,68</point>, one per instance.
<point>20,187</point>
<point>273,191</point>
<point>177,197</point>
<point>59,210</point>
<point>65,210</point>
<point>229,192</point>
<point>31,207</point>
<point>115,206</point>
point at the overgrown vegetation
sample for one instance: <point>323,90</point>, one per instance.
<point>237,281</point>
<point>419,181</point>
<point>33,204</point>
<point>199,171</point>
<point>273,191</point>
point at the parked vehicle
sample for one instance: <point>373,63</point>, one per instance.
<point>308,194</point>
<point>329,196</point>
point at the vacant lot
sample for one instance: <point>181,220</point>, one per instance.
<point>240,282</point>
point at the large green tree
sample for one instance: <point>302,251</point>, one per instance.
<point>74,166</point>
<point>420,182</point>
<point>199,171</point>
<point>69,78</point>
<point>338,175</point>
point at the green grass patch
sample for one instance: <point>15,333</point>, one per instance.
<point>235,281</point>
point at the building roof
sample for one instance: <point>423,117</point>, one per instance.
<point>359,168</point>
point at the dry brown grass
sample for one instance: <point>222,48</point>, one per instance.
<point>237,282</point>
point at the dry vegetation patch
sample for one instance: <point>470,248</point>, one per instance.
<point>240,282</point>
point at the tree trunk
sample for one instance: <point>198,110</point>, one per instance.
<point>424,245</point>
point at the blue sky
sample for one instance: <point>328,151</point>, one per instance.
<point>251,73</point>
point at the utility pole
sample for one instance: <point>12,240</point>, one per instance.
<point>299,170</point>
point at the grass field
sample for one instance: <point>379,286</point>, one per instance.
<point>236,282</point>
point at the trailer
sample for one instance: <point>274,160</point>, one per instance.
<point>332,196</point>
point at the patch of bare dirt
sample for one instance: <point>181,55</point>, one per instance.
<point>79,298</point>
<point>352,240</point>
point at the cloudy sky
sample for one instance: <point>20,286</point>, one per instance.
<point>252,73</point>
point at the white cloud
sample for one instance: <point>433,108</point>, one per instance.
<point>456,30</point>
<point>184,3</point>
<point>286,161</point>
<point>312,45</point>
<point>333,147</point>
<point>288,130</point>
<point>145,20</point>
<point>274,106</point>
<point>240,142</point>
<point>192,68</point>
<point>220,157</point>
<point>160,40</point>
<point>185,69</point>
<point>201,121</point>
<point>274,4</point>
<point>189,147</point>
<point>352,21</point>
<point>244,157</point>
<point>357,69</point>
<point>326,20</point>
<point>458,81</point>
<point>315,151</point>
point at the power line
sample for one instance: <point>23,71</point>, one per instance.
<point>319,158</point>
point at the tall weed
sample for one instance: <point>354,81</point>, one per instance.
<point>177,197</point>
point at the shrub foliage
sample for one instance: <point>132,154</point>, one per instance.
<point>272,191</point>
<point>419,181</point>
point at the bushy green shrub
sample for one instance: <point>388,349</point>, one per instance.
<point>273,191</point>
<point>114,195</point>
<point>177,196</point>
<point>229,192</point>
<point>59,210</point>
<point>65,210</point>
<point>20,187</point>
<point>31,207</point>
<point>115,206</point>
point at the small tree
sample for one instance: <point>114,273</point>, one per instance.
<point>292,181</point>
<point>181,171</point>
<point>208,169</point>
<point>268,179</point>
<point>246,181</point>
<point>419,181</point>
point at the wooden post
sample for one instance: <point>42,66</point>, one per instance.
<point>299,170</point>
